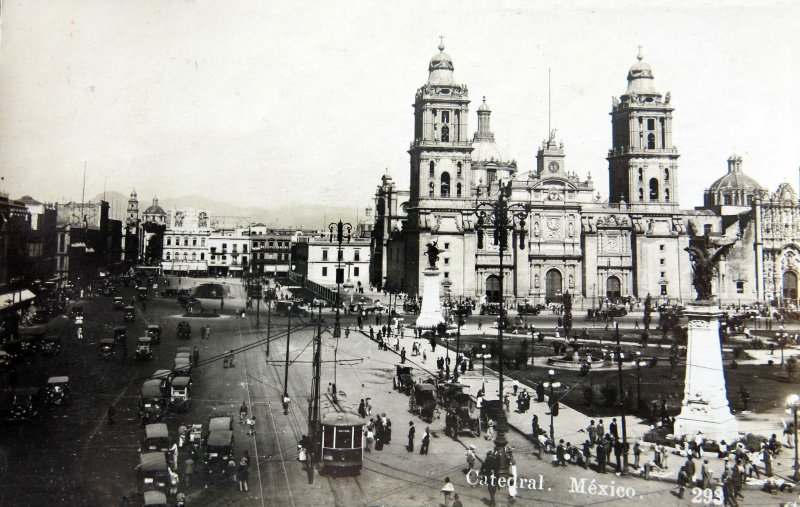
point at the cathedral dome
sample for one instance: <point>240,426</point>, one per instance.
<point>440,70</point>
<point>734,188</point>
<point>485,150</point>
<point>155,209</point>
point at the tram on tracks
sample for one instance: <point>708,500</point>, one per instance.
<point>341,440</point>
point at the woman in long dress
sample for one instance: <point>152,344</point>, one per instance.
<point>512,484</point>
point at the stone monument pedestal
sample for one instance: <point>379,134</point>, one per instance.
<point>705,403</point>
<point>430,315</point>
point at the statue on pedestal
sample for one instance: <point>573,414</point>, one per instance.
<point>705,255</point>
<point>433,254</point>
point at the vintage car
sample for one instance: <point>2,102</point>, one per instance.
<point>491,309</point>
<point>220,423</point>
<point>152,406</point>
<point>528,308</point>
<point>165,378</point>
<point>141,293</point>
<point>445,391</point>
<point>118,304</point>
<point>422,401</point>
<point>184,355</point>
<point>155,499</point>
<point>196,437</point>
<point>143,349</point>
<point>130,314</point>
<point>153,472</point>
<point>184,330</point>
<point>180,398</point>
<point>154,332</point>
<point>219,449</point>
<point>57,391</point>
<point>156,438</point>
<point>182,367</point>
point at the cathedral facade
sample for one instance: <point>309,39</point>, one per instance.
<point>631,244</point>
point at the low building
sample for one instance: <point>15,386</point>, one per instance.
<point>317,258</point>
<point>272,250</point>
<point>229,252</point>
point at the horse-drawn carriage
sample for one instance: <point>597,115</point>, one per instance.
<point>461,416</point>
<point>403,381</point>
<point>422,401</point>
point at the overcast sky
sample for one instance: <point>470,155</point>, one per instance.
<point>268,102</point>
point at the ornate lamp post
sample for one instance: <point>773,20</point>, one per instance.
<point>793,403</point>
<point>501,218</point>
<point>340,231</point>
<point>460,317</point>
<point>621,403</point>
<point>553,403</point>
<point>638,380</point>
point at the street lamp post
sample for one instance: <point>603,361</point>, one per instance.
<point>458,341</point>
<point>621,404</point>
<point>483,368</point>
<point>793,402</point>
<point>500,217</point>
<point>551,376</point>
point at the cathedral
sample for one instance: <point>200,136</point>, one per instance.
<point>631,244</point>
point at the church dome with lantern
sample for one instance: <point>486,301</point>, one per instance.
<point>734,188</point>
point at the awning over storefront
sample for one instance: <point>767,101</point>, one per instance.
<point>14,298</point>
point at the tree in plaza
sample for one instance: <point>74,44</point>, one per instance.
<point>791,368</point>
<point>522,354</point>
<point>567,321</point>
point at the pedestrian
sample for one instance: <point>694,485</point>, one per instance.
<point>202,332</point>
<point>110,414</point>
<point>600,453</point>
<point>403,355</point>
<point>252,423</point>
<point>362,411</point>
<point>411,431</point>
<point>489,431</point>
<point>180,500</point>
<point>535,425</point>
<point>243,475</point>
<point>243,413</point>
<point>587,454</point>
<point>426,441</point>
<point>208,332</point>
<point>560,454</point>
<point>182,432</point>
<point>174,453</point>
<point>705,475</point>
<point>232,468</point>
<point>286,401</point>
<point>512,482</point>
<point>480,324</point>
<point>188,470</point>
<point>457,501</point>
<point>196,356</point>
<point>683,481</point>
<point>612,429</point>
<point>601,429</point>
<point>447,490</point>
<point>368,406</point>
<point>637,452</point>
<point>471,458</point>
<point>515,386</point>
<point>370,436</point>
<point>173,482</point>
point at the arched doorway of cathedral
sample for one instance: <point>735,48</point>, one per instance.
<point>493,289</point>
<point>553,286</point>
<point>613,287</point>
<point>790,287</point>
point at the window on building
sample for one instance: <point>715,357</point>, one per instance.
<point>651,141</point>
<point>194,256</point>
<point>726,199</point>
<point>169,255</point>
<point>663,274</point>
<point>651,124</point>
<point>431,169</point>
<point>324,270</point>
<point>458,170</point>
<point>169,241</point>
<point>663,290</point>
<point>185,241</point>
<point>641,195</point>
<point>666,195</point>
<point>202,256</point>
<point>491,177</point>
<point>185,256</point>
<point>356,271</point>
<point>340,255</point>
<point>244,259</point>
<point>661,247</point>
<point>446,274</point>
<point>749,200</point>
<point>324,255</point>
<point>740,287</point>
<point>244,249</point>
<point>446,261</point>
<point>641,174</point>
<point>356,254</point>
<point>653,189</point>
<point>194,241</point>
<point>447,246</point>
<point>224,246</point>
<point>203,242</point>
<point>431,186</point>
<point>445,133</point>
<point>666,175</point>
<point>458,189</point>
<point>271,243</point>
<point>445,185</point>
<point>662,261</point>
<point>224,258</point>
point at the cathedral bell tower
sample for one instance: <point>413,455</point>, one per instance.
<point>440,152</point>
<point>133,209</point>
<point>643,162</point>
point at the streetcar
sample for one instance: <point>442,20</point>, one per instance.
<point>342,442</point>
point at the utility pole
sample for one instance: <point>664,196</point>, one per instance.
<point>286,370</point>
<point>340,231</point>
<point>313,413</point>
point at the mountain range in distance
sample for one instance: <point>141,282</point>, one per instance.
<point>300,216</point>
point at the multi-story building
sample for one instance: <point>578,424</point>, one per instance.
<point>317,258</point>
<point>229,252</point>
<point>271,250</point>
<point>187,243</point>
